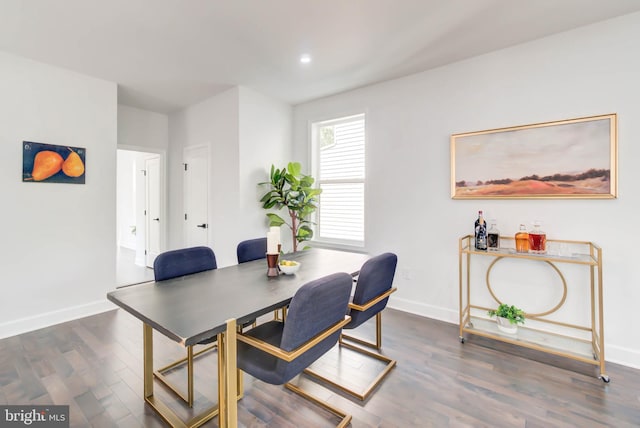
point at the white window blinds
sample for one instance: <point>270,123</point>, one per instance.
<point>341,173</point>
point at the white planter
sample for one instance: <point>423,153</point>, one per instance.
<point>505,326</point>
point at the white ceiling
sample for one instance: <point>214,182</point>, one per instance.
<point>168,54</point>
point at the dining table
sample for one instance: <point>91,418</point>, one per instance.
<point>213,303</point>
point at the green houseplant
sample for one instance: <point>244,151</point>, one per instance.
<point>290,189</point>
<point>508,317</point>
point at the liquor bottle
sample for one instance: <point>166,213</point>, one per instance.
<point>522,240</point>
<point>493,237</point>
<point>480,233</point>
<point>537,239</point>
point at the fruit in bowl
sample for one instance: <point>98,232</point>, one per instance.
<point>289,267</point>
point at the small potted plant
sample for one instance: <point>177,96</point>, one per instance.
<point>508,318</point>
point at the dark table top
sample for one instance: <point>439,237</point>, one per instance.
<point>196,307</point>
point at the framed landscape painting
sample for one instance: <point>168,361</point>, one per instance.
<point>575,158</point>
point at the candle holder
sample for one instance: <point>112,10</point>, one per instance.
<point>272,264</point>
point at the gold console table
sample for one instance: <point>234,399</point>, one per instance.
<point>583,343</point>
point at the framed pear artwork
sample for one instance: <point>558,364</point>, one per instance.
<point>48,163</point>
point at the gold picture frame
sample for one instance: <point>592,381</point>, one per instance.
<point>574,159</point>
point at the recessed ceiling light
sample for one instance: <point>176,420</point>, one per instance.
<point>305,59</point>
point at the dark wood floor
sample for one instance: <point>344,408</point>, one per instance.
<point>95,366</point>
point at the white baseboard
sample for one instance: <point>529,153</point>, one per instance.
<point>429,311</point>
<point>24,325</point>
<point>129,245</point>
<point>623,356</point>
<point>613,354</point>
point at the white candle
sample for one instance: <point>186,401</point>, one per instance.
<point>272,243</point>
<point>276,230</point>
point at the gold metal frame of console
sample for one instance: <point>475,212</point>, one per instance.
<point>590,256</point>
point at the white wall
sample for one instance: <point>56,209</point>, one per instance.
<point>58,243</point>
<point>142,128</point>
<point>245,132</point>
<point>214,123</point>
<point>589,71</point>
<point>265,139</point>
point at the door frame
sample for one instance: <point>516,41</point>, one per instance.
<point>147,206</point>
<point>163,189</point>
<point>185,152</point>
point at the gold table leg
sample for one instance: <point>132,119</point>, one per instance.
<point>228,380</point>
<point>147,344</point>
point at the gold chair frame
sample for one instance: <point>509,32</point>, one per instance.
<point>389,362</point>
<point>289,356</point>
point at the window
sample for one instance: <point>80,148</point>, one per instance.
<point>338,159</point>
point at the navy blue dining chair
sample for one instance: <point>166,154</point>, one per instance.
<point>185,261</point>
<point>251,249</point>
<point>248,251</point>
<point>277,351</point>
<point>173,264</point>
<point>374,285</point>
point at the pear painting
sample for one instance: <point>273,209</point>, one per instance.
<point>73,165</point>
<point>48,163</point>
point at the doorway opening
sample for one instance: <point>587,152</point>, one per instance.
<point>140,214</point>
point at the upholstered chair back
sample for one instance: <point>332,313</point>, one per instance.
<point>376,277</point>
<point>185,261</point>
<point>251,249</point>
<point>315,307</point>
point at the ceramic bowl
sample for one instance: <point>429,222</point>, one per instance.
<point>290,270</point>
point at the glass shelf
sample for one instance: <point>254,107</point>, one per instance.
<point>570,257</point>
<point>535,339</point>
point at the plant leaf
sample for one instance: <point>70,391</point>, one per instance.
<point>294,168</point>
<point>275,220</point>
<point>304,233</point>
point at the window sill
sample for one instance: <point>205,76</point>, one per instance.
<point>354,248</point>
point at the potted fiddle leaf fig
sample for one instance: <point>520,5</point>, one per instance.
<point>290,189</point>
<point>508,318</point>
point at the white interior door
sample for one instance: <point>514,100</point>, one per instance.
<point>196,196</point>
<point>152,209</point>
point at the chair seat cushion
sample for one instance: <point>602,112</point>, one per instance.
<point>257,363</point>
